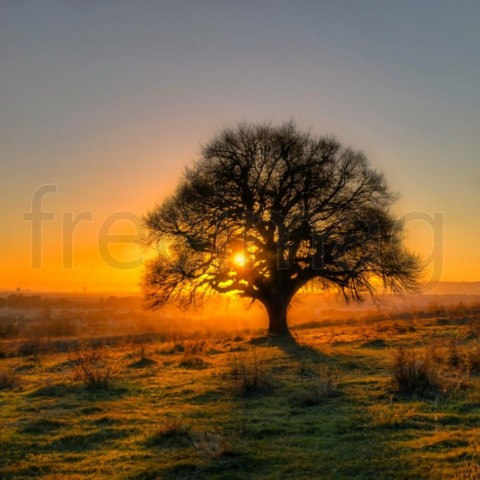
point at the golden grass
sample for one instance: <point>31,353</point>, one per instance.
<point>325,406</point>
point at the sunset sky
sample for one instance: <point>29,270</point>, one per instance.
<point>107,101</point>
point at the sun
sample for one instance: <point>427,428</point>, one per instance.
<point>239,259</point>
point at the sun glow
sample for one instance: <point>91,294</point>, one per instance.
<point>239,259</point>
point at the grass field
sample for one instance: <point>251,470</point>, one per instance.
<point>326,406</point>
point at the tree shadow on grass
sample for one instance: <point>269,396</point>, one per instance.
<point>296,349</point>
<point>87,441</point>
<point>185,470</point>
<point>235,467</point>
<point>43,425</point>
<point>291,346</point>
<point>63,390</point>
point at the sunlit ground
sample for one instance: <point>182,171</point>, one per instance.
<point>244,406</point>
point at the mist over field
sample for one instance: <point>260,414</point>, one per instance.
<point>46,315</point>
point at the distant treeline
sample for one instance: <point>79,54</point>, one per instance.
<point>39,302</point>
<point>34,316</point>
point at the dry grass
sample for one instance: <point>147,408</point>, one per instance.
<point>172,428</point>
<point>326,382</point>
<point>469,471</point>
<point>142,357</point>
<point>391,414</point>
<point>472,357</point>
<point>414,372</point>
<point>434,369</point>
<point>455,356</point>
<point>323,383</point>
<point>191,361</point>
<point>473,326</point>
<point>172,348</point>
<point>8,379</point>
<point>196,347</point>
<point>94,368</point>
<point>211,445</point>
<point>247,378</point>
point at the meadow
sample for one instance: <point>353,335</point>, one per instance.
<point>375,398</point>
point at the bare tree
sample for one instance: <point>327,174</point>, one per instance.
<point>266,211</point>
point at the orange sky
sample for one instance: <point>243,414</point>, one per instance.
<point>109,101</point>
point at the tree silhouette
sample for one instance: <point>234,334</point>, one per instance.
<point>269,209</point>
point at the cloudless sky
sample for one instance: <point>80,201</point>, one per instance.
<point>109,100</point>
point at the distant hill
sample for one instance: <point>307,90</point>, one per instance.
<point>451,288</point>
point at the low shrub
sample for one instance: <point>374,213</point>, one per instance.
<point>196,347</point>
<point>473,326</point>
<point>248,379</point>
<point>172,349</point>
<point>93,368</point>
<point>414,373</point>
<point>193,362</point>
<point>173,426</point>
<point>172,430</point>
<point>143,360</point>
<point>326,382</point>
<point>32,348</point>
<point>211,445</point>
<point>472,357</point>
<point>455,355</point>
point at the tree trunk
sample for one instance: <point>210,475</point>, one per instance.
<point>277,316</point>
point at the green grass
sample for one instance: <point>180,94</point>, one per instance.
<point>325,406</point>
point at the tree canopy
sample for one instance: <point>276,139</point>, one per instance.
<point>269,209</point>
